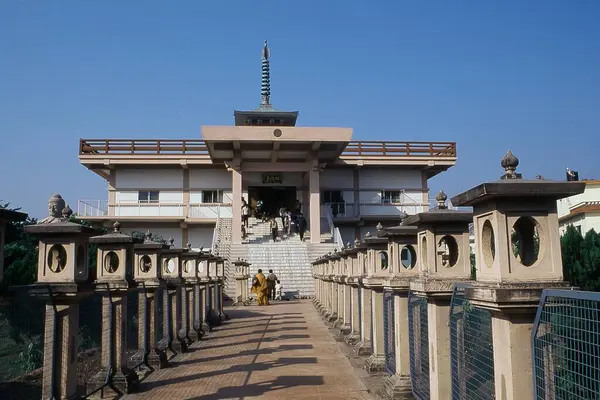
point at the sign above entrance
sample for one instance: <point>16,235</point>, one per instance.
<point>272,178</point>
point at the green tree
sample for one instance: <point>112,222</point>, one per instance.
<point>581,258</point>
<point>20,253</point>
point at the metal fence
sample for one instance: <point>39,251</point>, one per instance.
<point>389,333</point>
<point>472,352</point>
<point>22,319</point>
<point>566,346</point>
<point>419,346</point>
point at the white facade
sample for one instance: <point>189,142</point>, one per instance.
<point>582,210</point>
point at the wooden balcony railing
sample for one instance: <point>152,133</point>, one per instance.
<point>142,146</point>
<point>198,147</point>
<point>395,149</point>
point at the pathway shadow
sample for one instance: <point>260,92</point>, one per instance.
<point>259,332</point>
<point>258,340</point>
<point>255,352</point>
<point>262,366</point>
<point>261,388</point>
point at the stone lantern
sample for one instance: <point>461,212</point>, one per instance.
<point>191,329</point>
<point>443,259</point>
<point>147,275</point>
<point>353,281</point>
<point>114,278</point>
<point>334,315</point>
<point>518,254</point>
<point>241,276</point>
<point>402,250</point>
<point>173,297</point>
<point>63,280</point>
<point>377,260</point>
<point>204,280</point>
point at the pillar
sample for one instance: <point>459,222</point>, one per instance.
<point>398,386</point>
<point>375,364</point>
<point>354,335</point>
<point>345,328</point>
<point>60,352</point>
<point>179,343</point>
<point>122,380</point>
<point>511,335</point>
<point>315,206</point>
<point>440,372</point>
<point>204,307</point>
<point>236,188</point>
<point>365,346</point>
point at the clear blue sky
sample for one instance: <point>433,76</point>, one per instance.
<point>490,75</point>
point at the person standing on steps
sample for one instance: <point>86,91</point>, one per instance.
<point>245,212</point>
<point>274,228</point>
<point>271,281</point>
<point>301,226</point>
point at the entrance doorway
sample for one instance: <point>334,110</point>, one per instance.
<point>273,197</point>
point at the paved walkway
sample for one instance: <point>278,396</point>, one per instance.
<point>283,351</point>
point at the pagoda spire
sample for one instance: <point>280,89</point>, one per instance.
<point>265,87</point>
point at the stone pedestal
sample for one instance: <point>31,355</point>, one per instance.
<point>375,363</point>
<point>365,346</point>
<point>205,307</point>
<point>354,336</point>
<point>179,343</point>
<point>60,350</point>
<point>398,386</point>
<point>194,308</point>
<point>121,379</point>
<point>148,355</point>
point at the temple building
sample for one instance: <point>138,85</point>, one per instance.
<point>192,189</point>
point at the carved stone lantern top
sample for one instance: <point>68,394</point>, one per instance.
<point>512,185</point>
<point>115,237</point>
<point>440,215</point>
<point>149,244</point>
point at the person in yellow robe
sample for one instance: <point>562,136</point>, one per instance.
<point>260,287</point>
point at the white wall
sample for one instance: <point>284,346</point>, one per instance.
<point>201,236</point>
<point>389,178</point>
<point>149,179</point>
<point>336,179</point>
<point>210,179</point>
<point>591,193</point>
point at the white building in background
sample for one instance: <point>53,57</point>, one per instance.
<point>582,210</point>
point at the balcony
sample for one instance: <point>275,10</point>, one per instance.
<point>102,209</point>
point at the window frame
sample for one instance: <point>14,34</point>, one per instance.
<point>148,194</point>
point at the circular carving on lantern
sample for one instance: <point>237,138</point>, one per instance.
<point>188,266</point>
<point>169,266</point>
<point>525,239</point>
<point>81,260</point>
<point>57,258</point>
<point>448,251</point>
<point>383,255</point>
<point>488,243</point>
<point>277,132</point>
<point>111,262</point>
<point>424,262</point>
<point>145,264</point>
<point>408,257</point>
<point>201,266</point>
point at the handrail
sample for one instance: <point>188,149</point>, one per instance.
<point>215,237</point>
<point>167,147</point>
<point>337,238</point>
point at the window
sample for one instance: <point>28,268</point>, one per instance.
<point>212,196</point>
<point>390,196</point>
<point>578,227</point>
<point>332,196</point>
<point>148,196</point>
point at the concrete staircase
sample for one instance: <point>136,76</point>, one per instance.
<point>288,257</point>
<point>222,246</point>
